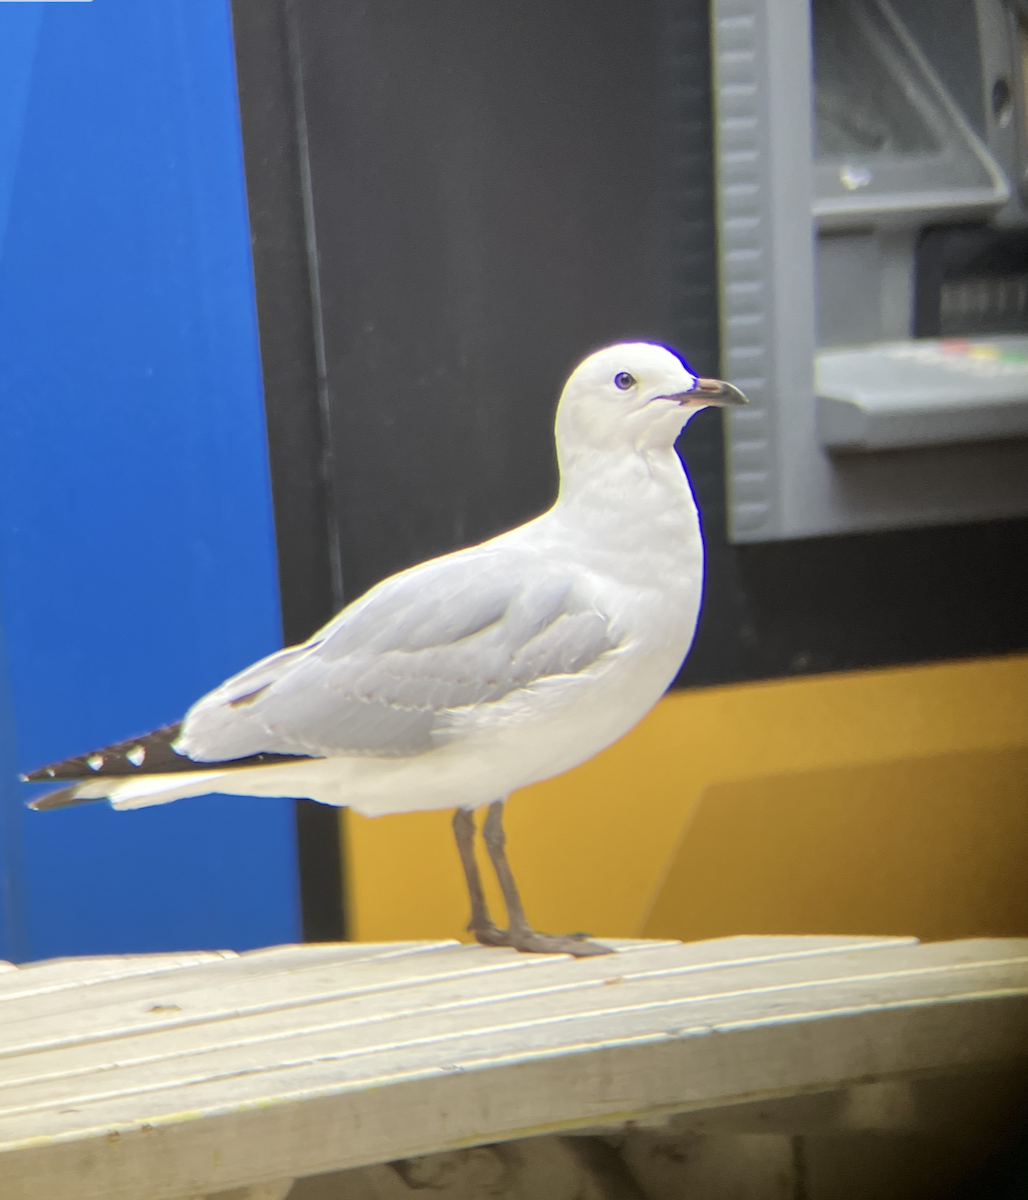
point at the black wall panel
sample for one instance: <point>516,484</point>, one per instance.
<point>491,201</point>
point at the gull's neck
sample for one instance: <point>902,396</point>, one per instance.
<point>631,502</point>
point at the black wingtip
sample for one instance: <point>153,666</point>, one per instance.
<point>127,758</point>
<point>152,754</point>
<point>42,775</point>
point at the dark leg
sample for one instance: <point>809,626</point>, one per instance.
<point>520,934</point>
<point>481,924</point>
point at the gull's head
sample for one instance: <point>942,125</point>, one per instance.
<point>635,396</point>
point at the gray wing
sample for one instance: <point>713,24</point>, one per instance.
<point>380,678</point>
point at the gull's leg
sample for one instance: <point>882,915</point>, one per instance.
<point>520,934</point>
<point>481,924</point>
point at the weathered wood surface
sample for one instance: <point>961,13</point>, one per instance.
<point>184,1075</point>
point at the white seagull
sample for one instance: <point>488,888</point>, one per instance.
<point>461,679</point>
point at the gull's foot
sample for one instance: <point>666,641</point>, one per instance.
<point>488,935</point>
<point>530,942</point>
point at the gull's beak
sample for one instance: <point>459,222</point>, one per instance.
<point>710,391</point>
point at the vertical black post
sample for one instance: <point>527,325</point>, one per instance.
<point>283,254</point>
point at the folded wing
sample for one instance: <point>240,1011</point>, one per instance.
<point>464,630</point>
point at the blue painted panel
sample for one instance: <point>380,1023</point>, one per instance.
<point>137,564</point>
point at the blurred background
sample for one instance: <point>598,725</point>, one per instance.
<point>288,290</point>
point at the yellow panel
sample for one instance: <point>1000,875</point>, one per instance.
<point>934,847</point>
<point>592,848</point>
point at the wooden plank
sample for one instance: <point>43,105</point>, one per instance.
<point>394,988</point>
<point>262,985</point>
<point>197,1029</point>
<point>632,1080</point>
<point>462,998</point>
<point>208,998</point>
<point>449,1046</point>
<point>60,974</point>
<point>64,1006</point>
<point>364,1047</point>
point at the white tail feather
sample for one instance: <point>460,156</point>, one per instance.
<point>155,789</point>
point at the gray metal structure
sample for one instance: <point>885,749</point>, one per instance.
<point>819,234</point>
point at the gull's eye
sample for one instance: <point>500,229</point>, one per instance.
<point>624,381</point>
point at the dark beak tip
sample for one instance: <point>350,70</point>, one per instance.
<point>718,392</point>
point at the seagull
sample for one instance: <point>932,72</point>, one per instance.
<point>457,681</point>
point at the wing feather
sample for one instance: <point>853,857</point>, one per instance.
<point>379,679</point>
